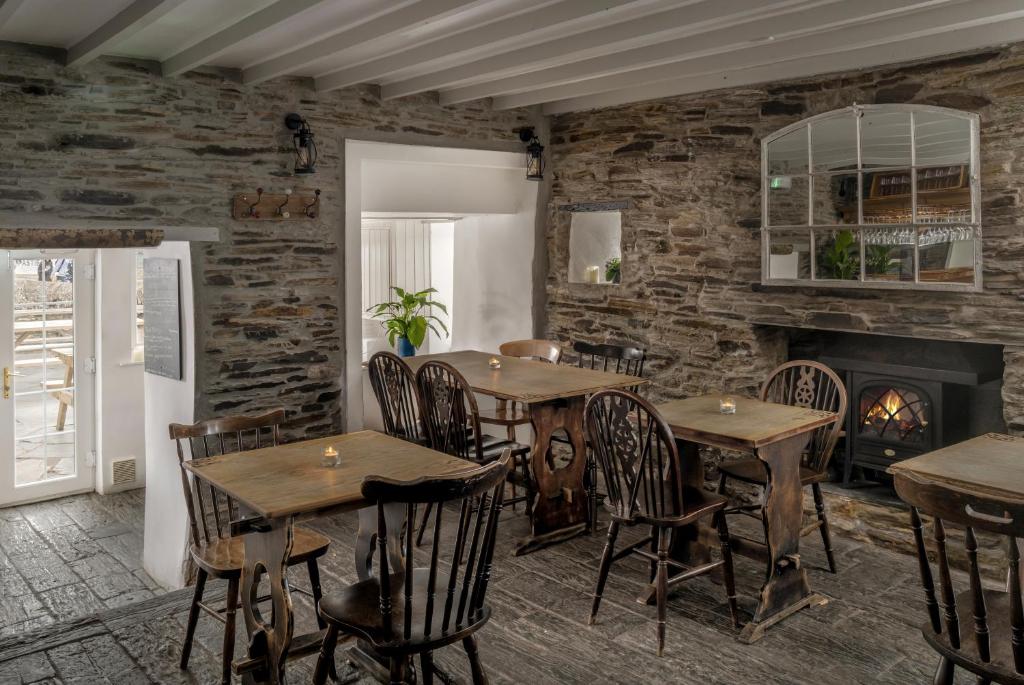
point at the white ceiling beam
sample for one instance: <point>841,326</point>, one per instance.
<point>8,8</point>
<point>125,23</point>
<point>877,32</point>
<point>408,16</point>
<point>838,60</point>
<point>212,47</point>
<point>507,32</point>
<point>604,40</point>
<point>791,22</point>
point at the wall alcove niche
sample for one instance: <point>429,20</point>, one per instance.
<point>873,196</point>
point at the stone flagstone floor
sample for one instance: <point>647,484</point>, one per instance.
<point>77,609</point>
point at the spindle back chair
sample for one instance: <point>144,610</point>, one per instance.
<point>811,385</point>
<point>538,350</point>
<point>210,512</point>
<point>417,609</point>
<point>980,630</point>
<point>452,418</point>
<point>394,386</point>
<point>643,477</point>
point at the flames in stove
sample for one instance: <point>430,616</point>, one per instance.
<point>893,413</point>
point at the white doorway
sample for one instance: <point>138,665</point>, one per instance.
<point>48,365</point>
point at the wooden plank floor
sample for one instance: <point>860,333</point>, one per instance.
<point>539,634</point>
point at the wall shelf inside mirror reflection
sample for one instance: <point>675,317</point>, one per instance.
<point>873,196</point>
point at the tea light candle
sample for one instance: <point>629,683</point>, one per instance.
<point>727,405</point>
<point>494,363</point>
<point>330,457</point>
<point>593,274</point>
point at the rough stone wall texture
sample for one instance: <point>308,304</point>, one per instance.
<point>690,167</point>
<point>116,141</point>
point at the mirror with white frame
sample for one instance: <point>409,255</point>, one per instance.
<point>881,196</point>
<point>595,247</point>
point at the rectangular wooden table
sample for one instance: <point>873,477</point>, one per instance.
<point>554,395</point>
<point>777,434</point>
<point>988,465</point>
<point>275,486</point>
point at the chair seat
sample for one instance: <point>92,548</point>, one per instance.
<point>493,447</point>
<point>751,470</point>
<point>1000,666</point>
<point>511,415</point>
<point>356,609</point>
<point>697,502</point>
<point>223,558</point>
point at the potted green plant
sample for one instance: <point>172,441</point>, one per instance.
<point>613,270</point>
<point>839,256</point>
<point>878,259</point>
<point>408,318</point>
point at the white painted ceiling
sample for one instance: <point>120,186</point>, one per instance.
<point>561,54</point>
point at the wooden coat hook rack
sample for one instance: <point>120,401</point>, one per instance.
<point>286,206</point>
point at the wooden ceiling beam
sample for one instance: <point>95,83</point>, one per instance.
<point>406,17</point>
<point>125,23</point>
<point>838,60</point>
<point>212,47</point>
<point>776,25</point>
<point>878,32</point>
<point>690,17</point>
<point>505,33</point>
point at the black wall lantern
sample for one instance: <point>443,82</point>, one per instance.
<point>305,147</point>
<point>534,155</point>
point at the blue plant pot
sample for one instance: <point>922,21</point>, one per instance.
<point>405,348</point>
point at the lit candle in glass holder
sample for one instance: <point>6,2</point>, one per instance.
<point>330,457</point>
<point>494,363</point>
<point>727,405</point>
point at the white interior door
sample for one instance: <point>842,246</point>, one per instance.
<point>48,366</point>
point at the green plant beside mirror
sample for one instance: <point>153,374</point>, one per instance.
<point>839,257</point>
<point>878,259</point>
<point>408,318</point>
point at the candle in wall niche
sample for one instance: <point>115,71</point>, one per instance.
<point>727,405</point>
<point>593,274</point>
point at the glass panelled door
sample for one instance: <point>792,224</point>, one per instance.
<point>46,352</point>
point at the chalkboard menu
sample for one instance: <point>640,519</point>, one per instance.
<point>160,283</point>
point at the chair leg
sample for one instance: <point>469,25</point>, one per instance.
<point>423,523</point>
<point>475,667</point>
<point>727,571</point>
<point>661,586</point>
<point>325,662</point>
<point>314,583</point>
<point>654,550</point>
<point>721,484</point>
<point>602,573</point>
<point>427,668</point>
<point>398,669</point>
<point>193,618</point>
<point>229,632</point>
<point>528,483</point>
<point>592,492</point>
<point>944,672</point>
<point>826,534</point>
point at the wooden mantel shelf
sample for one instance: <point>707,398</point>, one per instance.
<point>68,238</point>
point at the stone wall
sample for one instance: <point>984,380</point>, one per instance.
<point>690,167</point>
<point>115,141</point>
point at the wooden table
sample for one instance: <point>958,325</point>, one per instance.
<point>275,486</point>
<point>990,465</point>
<point>555,396</point>
<point>777,434</point>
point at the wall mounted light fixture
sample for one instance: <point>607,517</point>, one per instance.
<point>305,147</point>
<point>534,155</point>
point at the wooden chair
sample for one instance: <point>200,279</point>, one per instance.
<point>979,630</point>
<point>214,551</point>
<point>800,384</point>
<point>513,415</point>
<point>417,610</point>
<point>394,386</point>
<point>621,359</point>
<point>452,419</point>
<point>643,477</point>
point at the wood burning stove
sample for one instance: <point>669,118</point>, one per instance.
<point>907,396</point>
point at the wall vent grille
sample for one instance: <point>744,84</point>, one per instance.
<point>123,471</point>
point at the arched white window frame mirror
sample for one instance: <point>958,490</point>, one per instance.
<point>911,217</point>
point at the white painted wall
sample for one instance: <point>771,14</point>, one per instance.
<point>390,178</point>
<point>168,401</point>
<point>442,271</point>
<point>119,383</point>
